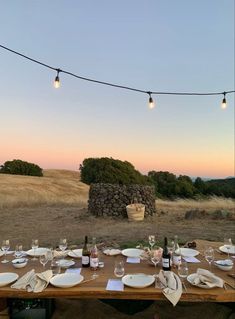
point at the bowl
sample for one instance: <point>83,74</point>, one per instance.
<point>225,264</point>
<point>19,262</point>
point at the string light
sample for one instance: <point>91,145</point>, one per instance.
<point>150,93</point>
<point>151,102</point>
<point>57,80</point>
<point>224,102</point>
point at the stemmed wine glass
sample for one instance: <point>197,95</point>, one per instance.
<point>155,257</point>
<point>44,259</point>
<point>63,245</point>
<point>34,246</point>
<point>18,251</point>
<point>228,244</point>
<point>183,272</point>
<point>209,255</point>
<point>152,241</point>
<point>5,248</point>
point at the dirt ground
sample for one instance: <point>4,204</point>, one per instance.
<point>48,224</point>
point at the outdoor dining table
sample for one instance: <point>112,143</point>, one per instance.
<point>97,288</point>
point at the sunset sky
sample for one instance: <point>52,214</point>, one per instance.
<point>185,46</point>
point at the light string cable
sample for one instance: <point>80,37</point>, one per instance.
<point>149,93</point>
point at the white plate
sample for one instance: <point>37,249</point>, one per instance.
<point>64,263</point>
<point>38,251</point>
<point>7,278</point>
<point>1,253</point>
<point>66,280</point>
<point>75,253</point>
<point>191,278</point>
<point>225,250</point>
<point>132,252</point>
<point>138,280</point>
<point>188,252</point>
<point>112,252</point>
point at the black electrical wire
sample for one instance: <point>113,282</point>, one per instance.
<point>58,70</point>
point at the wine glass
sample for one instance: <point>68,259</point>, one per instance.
<point>44,258</point>
<point>119,268</point>
<point>34,246</point>
<point>5,248</point>
<point>183,272</point>
<point>95,263</point>
<point>18,251</point>
<point>228,244</point>
<point>63,245</point>
<point>155,257</point>
<point>209,255</point>
<point>152,241</point>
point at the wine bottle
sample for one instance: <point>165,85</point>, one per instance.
<point>94,259</point>
<point>166,257</point>
<point>85,254</point>
<point>176,253</point>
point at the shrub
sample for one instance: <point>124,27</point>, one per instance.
<point>109,170</point>
<point>19,167</point>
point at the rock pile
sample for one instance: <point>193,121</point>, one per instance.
<point>112,199</point>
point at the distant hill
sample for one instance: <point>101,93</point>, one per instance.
<point>56,187</point>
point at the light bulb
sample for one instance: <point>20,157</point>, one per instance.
<point>151,102</point>
<point>57,80</point>
<point>224,103</point>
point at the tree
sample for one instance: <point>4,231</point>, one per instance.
<point>109,170</point>
<point>200,185</point>
<point>19,167</point>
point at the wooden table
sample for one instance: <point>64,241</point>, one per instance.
<point>96,289</point>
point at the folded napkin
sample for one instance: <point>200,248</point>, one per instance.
<point>205,277</point>
<point>33,282</point>
<point>112,252</point>
<point>62,254</point>
<point>172,287</point>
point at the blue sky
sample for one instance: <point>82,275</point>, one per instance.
<point>152,45</point>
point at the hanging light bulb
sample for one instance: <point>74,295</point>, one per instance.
<point>151,102</point>
<point>57,80</point>
<point>224,102</point>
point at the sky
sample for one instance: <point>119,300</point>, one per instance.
<point>154,45</point>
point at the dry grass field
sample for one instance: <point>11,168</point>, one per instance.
<point>56,205</point>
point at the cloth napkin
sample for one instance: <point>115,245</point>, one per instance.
<point>58,254</point>
<point>112,252</point>
<point>33,282</point>
<point>172,286</point>
<point>205,277</point>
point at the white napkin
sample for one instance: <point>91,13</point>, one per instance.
<point>33,282</point>
<point>205,277</point>
<point>172,287</point>
<point>112,252</point>
<point>57,253</point>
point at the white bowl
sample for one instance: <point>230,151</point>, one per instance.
<point>20,262</point>
<point>225,265</point>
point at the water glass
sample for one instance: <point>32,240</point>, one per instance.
<point>44,259</point>
<point>55,267</point>
<point>119,269</point>
<point>5,248</point>
<point>63,245</point>
<point>183,272</point>
<point>228,244</point>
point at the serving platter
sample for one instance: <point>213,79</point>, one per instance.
<point>37,252</point>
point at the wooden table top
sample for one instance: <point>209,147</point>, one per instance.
<point>97,288</point>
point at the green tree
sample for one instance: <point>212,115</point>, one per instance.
<point>19,167</point>
<point>200,185</point>
<point>109,170</point>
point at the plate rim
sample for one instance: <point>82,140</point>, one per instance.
<point>191,249</point>
<point>140,250</point>
<point>32,255</point>
<point>70,254</point>
<point>8,282</point>
<point>153,279</point>
<point>69,275</point>
<point>227,250</point>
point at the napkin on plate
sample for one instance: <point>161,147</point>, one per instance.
<point>112,252</point>
<point>33,282</point>
<point>172,286</point>
<point>205,277</point>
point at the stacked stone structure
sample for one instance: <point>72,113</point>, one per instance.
<point>112,199</point>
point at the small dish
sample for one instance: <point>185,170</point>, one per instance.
<point>64,263</point>
<point>225,264</point>
<point>19,262</point>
